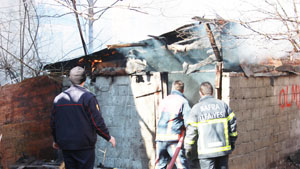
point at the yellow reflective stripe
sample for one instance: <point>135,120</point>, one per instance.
<point>214,150</point>
<point>195,124</point>
<point>166,137</point>
<point>190,142</point>
<point>222,120</point>
<point>230,116</point>
<point>226,133</point>
<point>233,134</point>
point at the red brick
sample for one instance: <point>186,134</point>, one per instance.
<point>24,119</point>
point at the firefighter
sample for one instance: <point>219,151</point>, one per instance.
<point>213,123</point>
<point>75,120</point>
<point>173,109</point>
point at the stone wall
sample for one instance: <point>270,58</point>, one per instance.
<point>268,117</point>
<point>25,117</point>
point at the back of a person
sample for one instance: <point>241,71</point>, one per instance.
<point>72,120</point>
<point>75,120</point>
<point>170,129</point>
<point>212,124</point>
<point>171,122</point>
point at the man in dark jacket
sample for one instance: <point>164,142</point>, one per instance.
<point>214,123</point>
<point>173,111</point>
<point>75,120</point>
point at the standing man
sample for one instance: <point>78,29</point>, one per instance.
<point>75,120</point>
<point>214,123</point>
<point>171,125</point>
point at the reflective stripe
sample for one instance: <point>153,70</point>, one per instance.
<point>219,149</point>
<point>190,142</point>
<point>214,150</point>
<point>230,116</point>
<point>233,134</point>
<point>226,133</point>
<point>167,137</point>
<point>194,124</point>
<point>222,120</point>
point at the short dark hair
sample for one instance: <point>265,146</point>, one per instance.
<point>178,85</point>
<point>206,88</point>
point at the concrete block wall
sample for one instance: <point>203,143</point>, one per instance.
<point>25,117</point>
<point>268,116</point>
<point>129,114</point>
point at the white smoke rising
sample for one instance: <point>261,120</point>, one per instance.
<point>253,48</point>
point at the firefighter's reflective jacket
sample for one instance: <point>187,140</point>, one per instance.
<point>213,123</point>
<point>174,109</point>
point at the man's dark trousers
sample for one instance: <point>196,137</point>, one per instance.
<point>79,159</point>
<point>214,163</point>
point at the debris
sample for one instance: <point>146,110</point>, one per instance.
<point>103,167</point>
<point>30,162</point>
<point>3,164</point>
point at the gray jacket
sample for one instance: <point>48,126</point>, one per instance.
<point>214,124</point>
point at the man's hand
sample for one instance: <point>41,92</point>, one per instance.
<point>112,141</point>
<point>232,146</point>
<point>55,146</point>
<point>188,153</point>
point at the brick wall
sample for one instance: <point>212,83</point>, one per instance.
<point>24,118</point>
<point>268,117</point>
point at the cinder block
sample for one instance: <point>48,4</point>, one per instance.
<point>122,80</point>
<point>242,104</point>
<point>278,81</point>
<point>259,82</point>
<point>248,114</point>
<point>243,82</point>
<point>279,90</point>
<point>250,125</point>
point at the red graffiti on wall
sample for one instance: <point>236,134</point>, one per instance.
<point>287,101</point>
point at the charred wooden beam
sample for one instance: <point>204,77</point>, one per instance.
<point>114,46</point>
<point>187,68</point>
<point>148,94</point>
<point>213,43</point>
<point>218,80</point>
<point>219,21</point>
<point>203,20</point>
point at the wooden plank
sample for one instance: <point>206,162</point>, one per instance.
<point>213,42</point>
<point>125,45</point>
<point>218,80</point>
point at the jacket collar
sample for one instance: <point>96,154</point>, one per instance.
<point>78,86</point>
<point>177,92</point>
<point>205,97</point>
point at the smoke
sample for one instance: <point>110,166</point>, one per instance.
<point>252,48</point>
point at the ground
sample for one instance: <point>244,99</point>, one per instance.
<point>290,162</point>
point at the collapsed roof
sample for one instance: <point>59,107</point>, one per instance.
<point>190,48</point>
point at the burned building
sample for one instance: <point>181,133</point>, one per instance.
<point>130,80</point>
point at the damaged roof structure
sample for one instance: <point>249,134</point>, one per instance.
<point>186,49</point>
<point>191,48</point>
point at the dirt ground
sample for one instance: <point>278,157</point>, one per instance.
<point>290,162</point>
